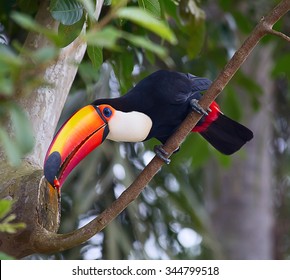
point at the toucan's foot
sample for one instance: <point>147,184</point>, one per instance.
<point>197,108</point>
<point>161,153</point>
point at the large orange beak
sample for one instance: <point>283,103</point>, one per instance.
<point>82,133</point>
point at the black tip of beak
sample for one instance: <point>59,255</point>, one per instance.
<point>51,167</point>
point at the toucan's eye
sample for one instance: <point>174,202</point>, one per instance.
<point>107,112</point>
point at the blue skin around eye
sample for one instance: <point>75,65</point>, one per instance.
<point>107,112</point>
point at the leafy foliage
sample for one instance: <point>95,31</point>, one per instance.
<point>68,33</point>
<point>6,220</point>
<point>7,224</point>
<point>67,12</point>
<point>146,20</point>
<point>151,6</point>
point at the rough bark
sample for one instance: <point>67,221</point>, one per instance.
<point>36,204</point>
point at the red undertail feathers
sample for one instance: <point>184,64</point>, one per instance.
<point>223,133</point>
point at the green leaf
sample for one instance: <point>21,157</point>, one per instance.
<point>6,86</point>
<point>151,6</point>
<point>67,12</point>
<point>150,57</point>
<point>8,57</point>
<point>170,8</point>
<point>145,43</point>
<point>146,20</point>
<point>5,224</point>
<point>95,54</point>
<point>22,129</point>
<point>9,219</point>
<point>8,227</point>
<point>20,140</point>
<point>70,32</point>
<point>10,148</point>
<point>5,207</point>
<point>123,64</point>
<point>107,38</point>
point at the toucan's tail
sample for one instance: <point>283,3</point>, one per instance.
<point>226,135</point>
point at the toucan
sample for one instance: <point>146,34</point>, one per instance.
<point>154,108</point>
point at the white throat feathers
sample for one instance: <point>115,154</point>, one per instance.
<point>129,127</point>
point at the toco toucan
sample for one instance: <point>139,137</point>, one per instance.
<point>155,107</point>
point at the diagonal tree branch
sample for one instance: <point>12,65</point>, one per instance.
<point>59,242</point>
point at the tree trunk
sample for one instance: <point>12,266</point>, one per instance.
<point>239,198</point>
<point>36,203</point>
